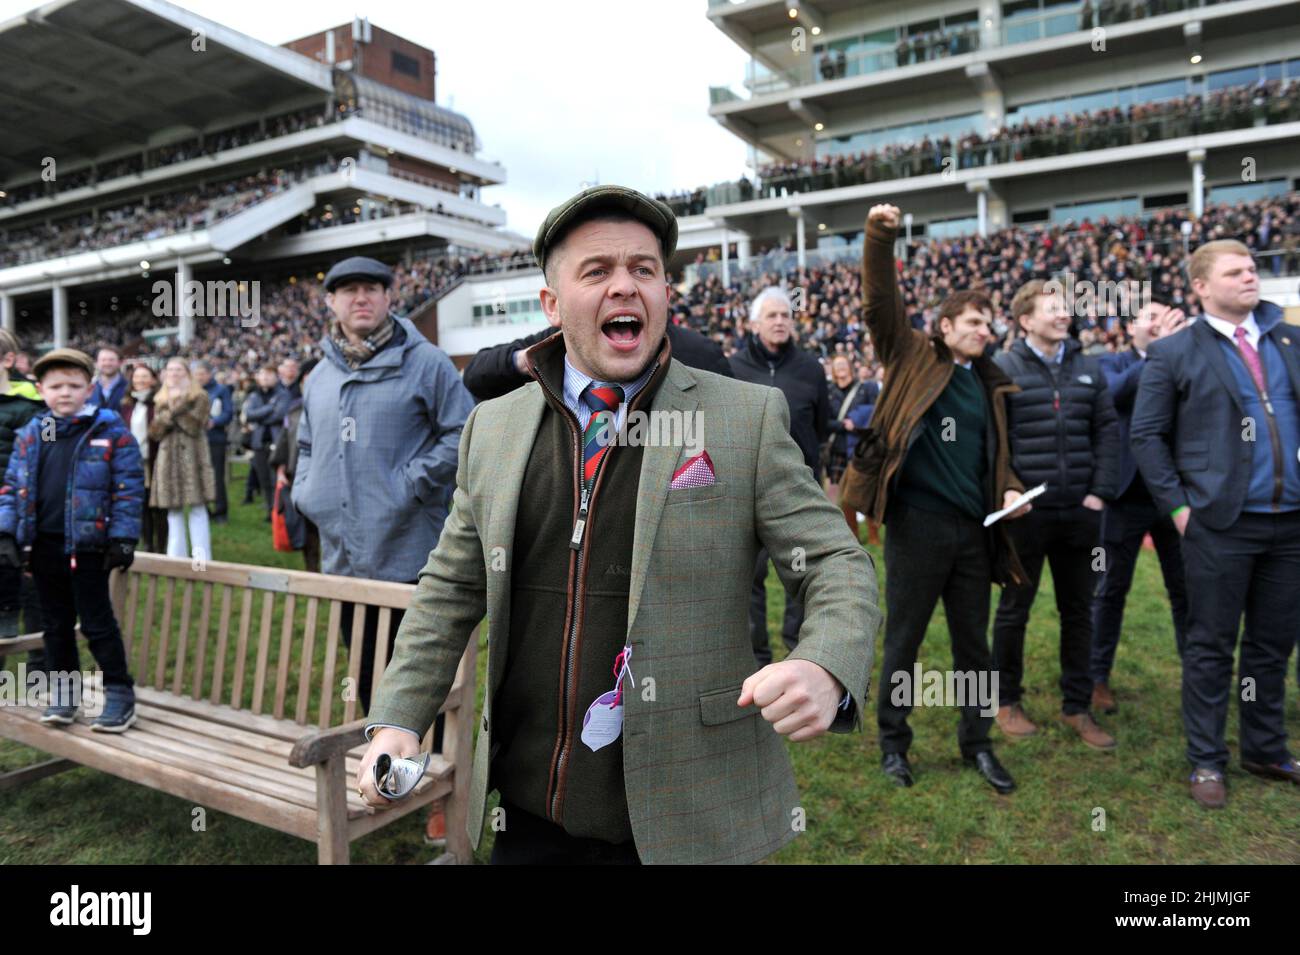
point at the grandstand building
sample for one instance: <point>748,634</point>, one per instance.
<point>846,103</point>
<point>144,143</point>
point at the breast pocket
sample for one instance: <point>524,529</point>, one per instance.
<point>696,495</point>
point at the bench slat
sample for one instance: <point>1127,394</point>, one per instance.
<point>132,598</point>
<point>381,649</point>
<point>356,650</point>
<point>183,637</point>
<point>151,593</point>
<point>223,637</point>
<point>164,633</point>
<point>282,668</point>
<point>331,658</point>
<point>164,723</point>
<point>205,623</point>
<point>308,657</point>
<point>241,649</point>
<point>263,650</point>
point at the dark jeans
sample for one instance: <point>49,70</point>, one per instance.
<point>531,840</point>
<point>67,595</point>
<point>928,557</point>
<point>265,480</point>
<point>1065,538</point>
<point>153,529</point>
<point>1252,568</point>
<point>758,615</point>
<point>218,449</point>
<point>1124,525</point>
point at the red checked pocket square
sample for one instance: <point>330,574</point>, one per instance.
<point>696,472</point>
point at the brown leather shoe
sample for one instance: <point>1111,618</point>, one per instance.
<point>1207,788</point>
<point>1288,770</point>
<point>1088,730</point>
<point>1103,700</point>
<point>1014,723</point>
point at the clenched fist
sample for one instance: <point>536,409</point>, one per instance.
<point>885,214</point>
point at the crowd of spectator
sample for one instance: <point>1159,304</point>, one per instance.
<point>1264,103</point>
<point>205,144</point>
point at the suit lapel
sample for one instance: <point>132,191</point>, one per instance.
<point>1207,339</point>
<point>1284,337</point>
<point>504,484</point>
<point>657,466</point>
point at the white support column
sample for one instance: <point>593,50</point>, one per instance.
<point>60,302</point>
<point>7,321</point>
<point>801,240</point>
<point>184,273</point>
<point>726,257</point>
<point>1197,158</point>
<point>990,24</point>
<point>743,252</point>
<point>981,189</point>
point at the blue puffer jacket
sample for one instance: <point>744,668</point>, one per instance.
<point>105,487</point>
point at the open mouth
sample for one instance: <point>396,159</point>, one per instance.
<point>623,331</point>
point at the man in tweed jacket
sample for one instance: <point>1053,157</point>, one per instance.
<point>643,550</point>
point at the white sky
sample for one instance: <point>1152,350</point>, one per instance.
<point>615,91</point>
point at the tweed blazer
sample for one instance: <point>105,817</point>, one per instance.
<point>706,780</point>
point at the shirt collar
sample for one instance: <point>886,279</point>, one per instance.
<point>1229,330</point>
<point>1060,353</point>
<point>575,382</point>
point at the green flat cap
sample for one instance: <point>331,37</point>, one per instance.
<point>655,214</point>
<point>65,358</point>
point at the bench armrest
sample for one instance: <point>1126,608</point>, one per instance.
<point>326,744</point>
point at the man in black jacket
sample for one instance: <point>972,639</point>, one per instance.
<point>498,370</point>
<point>770,356</point>
<point>1064,433</point>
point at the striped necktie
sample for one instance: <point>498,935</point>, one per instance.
<point>603,401</point>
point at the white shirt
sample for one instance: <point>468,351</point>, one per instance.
<point>140,427</point>
<point>1229,330</point>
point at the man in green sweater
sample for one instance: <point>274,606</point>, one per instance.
<point>934,463</point>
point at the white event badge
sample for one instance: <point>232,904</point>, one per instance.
<point>603,721</point>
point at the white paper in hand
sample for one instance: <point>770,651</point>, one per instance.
<point>395,778</point>
<point>1015,505</point>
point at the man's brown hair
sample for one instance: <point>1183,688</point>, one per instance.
<point>1026,299</point>
<point>1202,260</point>
<point>958,302</point>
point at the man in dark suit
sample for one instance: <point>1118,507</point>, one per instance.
<point>1216,432</point>
<point>1133,514</point>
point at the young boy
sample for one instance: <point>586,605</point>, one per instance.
<point>73,492</point>
<point>19,403</point>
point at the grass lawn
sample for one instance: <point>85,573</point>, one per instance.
<point>853,813</point>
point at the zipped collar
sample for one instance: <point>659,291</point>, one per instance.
<point>545,362</point>
<point>1070,346</point>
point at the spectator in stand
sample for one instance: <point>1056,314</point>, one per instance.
<point>110,385</point>
<point>183,481</point>
<point>137,410</point>
<point>288,373</point>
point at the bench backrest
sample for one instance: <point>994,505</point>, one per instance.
<point>259,639</point>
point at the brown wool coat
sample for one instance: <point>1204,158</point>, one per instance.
<point>182,471</point>
<point>917,369</point>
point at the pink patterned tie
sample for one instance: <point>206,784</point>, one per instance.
<point>1252,360</point>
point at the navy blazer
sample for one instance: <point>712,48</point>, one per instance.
<point>1187,421</point>
<point>1122,371</point>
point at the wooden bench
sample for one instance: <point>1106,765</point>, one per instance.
<point>274,739</point>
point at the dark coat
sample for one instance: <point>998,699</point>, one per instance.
<point>1187,420</point>
<point>799,376</point>
<point>1063,430</point>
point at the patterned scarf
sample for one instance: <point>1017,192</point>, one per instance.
<point>358,353</point>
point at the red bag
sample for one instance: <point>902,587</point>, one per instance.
<point>279,530</point>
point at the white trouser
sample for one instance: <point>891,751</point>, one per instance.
<point>200,540</point>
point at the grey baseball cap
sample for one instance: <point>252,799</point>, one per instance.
<point>358,267</point>
<point>655,214</point>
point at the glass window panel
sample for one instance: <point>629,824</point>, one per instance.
<point>1226,78</point>
<point>1020,8</point>
<point>1293,69</point>
<point>1249,191</point>
<point>1023,32</point>
<point>1167,89</point>
<point>1272,71</point>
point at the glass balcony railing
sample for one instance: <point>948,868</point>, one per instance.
<point>1086,15</point>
